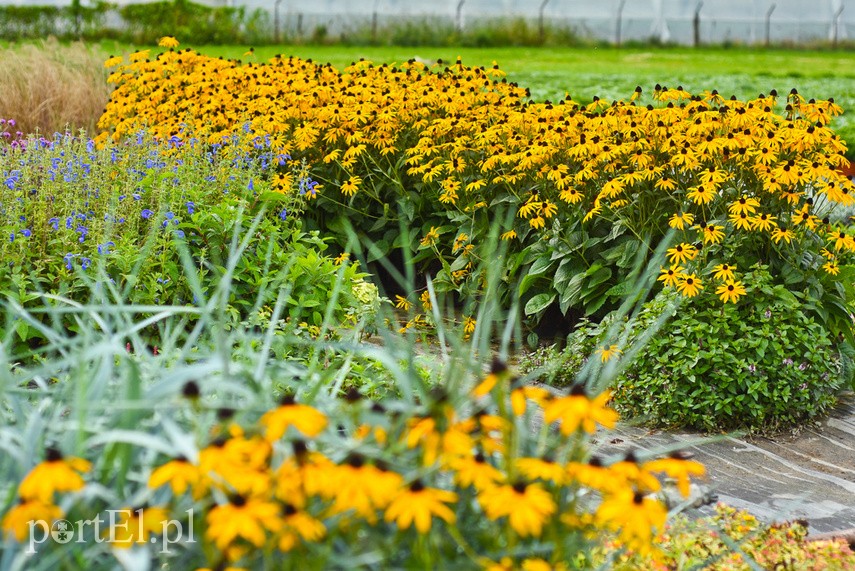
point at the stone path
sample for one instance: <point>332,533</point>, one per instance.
<point>808,476</point>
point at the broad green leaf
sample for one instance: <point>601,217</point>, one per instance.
<point>595,305</point>
<point>274,197</point>
<point>620,289</point>
<point>380,250</point>
<point>572,291</point>
<point>22,329</point>
<point>408,209</point>
<point>527,282</point>
<point>566,270</point>
<point>596,278</point>
<point>538,303</point>
<point>541,265</point>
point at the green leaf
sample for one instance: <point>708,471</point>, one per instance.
<point>566,270</point>
<point>564,304</point>
<point>527,282</point>
<point>594,268</point>
<point>504,198</point>
<point>459,263</point>
<point>532,339</point>
<point>620,289</point>
<point>595,305</point>
<point>382,249</point>
<point>273,197</point>
<point>408,209</point>
<point>573,291</point>
<point>541,265</point>
<point>617,230</point>
<point>538,268</point>
<point>597,277</point>
<point>538,303</point>
<point>618,252</point>
<point>22,329</point>
<point>381,223</point>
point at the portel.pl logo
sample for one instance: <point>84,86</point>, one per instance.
<point>123,528</point>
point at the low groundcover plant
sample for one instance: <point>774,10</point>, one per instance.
<point>760,363</point>
<point>734,540</point>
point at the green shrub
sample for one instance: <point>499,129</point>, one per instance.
<point>445,474</point>
<point>147,22</point>
<point>760,364</point>
<point>22,21</point>
<point>140,22</point>
<point>559,366</point>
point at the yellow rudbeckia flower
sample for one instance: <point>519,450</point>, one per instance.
<point>418,504</point>
<point>730,291</point>
<point>250,519</point>
<point>526,505</point>
<point>54,474</point>
<point>304,418</point>
<point>577,411</point>
<point>168,42</point>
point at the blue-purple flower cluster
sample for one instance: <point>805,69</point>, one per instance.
<point>10,137</point>
<point>64,201</point>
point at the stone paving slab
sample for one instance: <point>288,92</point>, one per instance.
<point>810,475</point>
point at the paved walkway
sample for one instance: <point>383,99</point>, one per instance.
<point>808,476</point>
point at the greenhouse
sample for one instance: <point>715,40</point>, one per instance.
<point>687,22</point>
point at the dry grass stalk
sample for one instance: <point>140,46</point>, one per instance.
<point>49,86</point>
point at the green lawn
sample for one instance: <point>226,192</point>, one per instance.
<point>639,62</point>
<point>634,65</point>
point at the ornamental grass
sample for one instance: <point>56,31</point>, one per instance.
<point>49,87</point>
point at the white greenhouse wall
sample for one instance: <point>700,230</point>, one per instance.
<point>719,21</point>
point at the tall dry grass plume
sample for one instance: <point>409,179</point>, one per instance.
<point>49,86</point>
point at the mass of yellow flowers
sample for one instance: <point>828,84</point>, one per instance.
<point>718,171</point>
<point>286,485</point>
